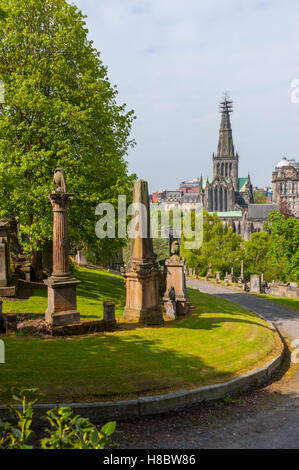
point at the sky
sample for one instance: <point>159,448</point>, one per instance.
<point>172,60</point>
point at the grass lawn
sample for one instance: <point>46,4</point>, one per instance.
<point>217,342</point>
<point>288,302</point>
<point>96,287</point>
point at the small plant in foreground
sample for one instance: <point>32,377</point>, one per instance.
<point>74,432</point>
<point>66,431</point>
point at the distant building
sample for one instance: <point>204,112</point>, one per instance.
<point>158,197</point>
<point>285,183</point>
<point>226,193</point>
<point>191,186</point>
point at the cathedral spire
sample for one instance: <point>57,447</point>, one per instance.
<point>225,145</point>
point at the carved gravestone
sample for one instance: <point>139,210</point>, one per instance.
<point>255,283</point>
<point>176,279</point>
<point>209,274</point>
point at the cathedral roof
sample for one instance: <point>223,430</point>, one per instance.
<point>204,182</point>
<point>229,214</point>
<point>261,211</point>
<point>242,184</point>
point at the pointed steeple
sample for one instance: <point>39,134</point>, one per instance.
<point>225,145</point>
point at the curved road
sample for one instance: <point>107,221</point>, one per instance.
<point>268,418</point>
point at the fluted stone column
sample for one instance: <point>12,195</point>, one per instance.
<point>62,299</point>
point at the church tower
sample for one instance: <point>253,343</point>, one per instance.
<point>226,162</point>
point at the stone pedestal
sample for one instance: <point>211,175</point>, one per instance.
<point>62,299</point>
<point>142,300</point>
<point>175,277</point>
<point>109,315</point>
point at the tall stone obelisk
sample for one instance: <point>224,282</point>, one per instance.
<point>141,272</point>
<point>62,299</point>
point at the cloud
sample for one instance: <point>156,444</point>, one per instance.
<point>171,60</point>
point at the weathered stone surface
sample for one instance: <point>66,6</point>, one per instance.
<point>8,250</point>
<point>175,278</point>
<point>9,291</point>
<point>109,311</point>
<point>141,272</point>
<point>170,309</point>
<point>255,283</point>
<point>283,290</point>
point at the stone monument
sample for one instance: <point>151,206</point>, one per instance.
<point>217,277</point>
<point>141,271</point>
<point>209,274</point>
<point>9,249</point>
<point>241,278</point>
<point>255,283</point>
<point>175,278</point>
<point>231,276</point>
<point>62,299</point>
<point>170,304</point>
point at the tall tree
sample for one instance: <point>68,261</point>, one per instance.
<point>222,248</point>
<point>60,110</point>
<point>285,243</point>
<point>285,210</point>
<point>259,197</point>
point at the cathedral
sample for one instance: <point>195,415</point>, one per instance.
<point>227,194</point>
<point>227,191</point>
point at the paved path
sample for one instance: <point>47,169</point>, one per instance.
<point>268,418</point>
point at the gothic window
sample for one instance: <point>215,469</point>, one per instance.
<point>221,199</point>
<point>225,199</point>
<point>226,169</point>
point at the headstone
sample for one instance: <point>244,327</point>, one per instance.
<point>175,279</point>
<point>141,271</point>
<point>231,276</point>
<point>109,314</point>
<point>241,278</point>
<point>62,298</point>
<point>255,283</point>
<point>217,278</point>
<point>8,250</point>
<point>81,259</point>
<point>209,272</point>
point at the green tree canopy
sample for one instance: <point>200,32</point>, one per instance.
<point>259,197</point>
<point>60,110</point>
<point>285,244</point>
<point>222,248</point>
